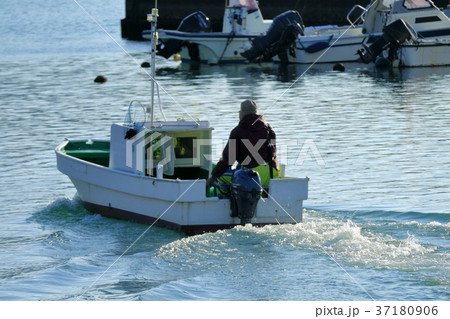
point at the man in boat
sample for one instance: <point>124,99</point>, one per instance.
<point>251,143</point>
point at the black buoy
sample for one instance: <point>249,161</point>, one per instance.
<point>145,65</point>
<point>339,67</point>
<point>100,79</point>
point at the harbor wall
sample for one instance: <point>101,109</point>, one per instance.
<point>313,12</point>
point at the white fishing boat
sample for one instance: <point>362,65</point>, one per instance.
<point>341,44</point>
<point>155,172</point>
<point>242,22</point>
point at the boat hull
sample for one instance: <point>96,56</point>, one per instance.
<point>425,54</point>
<point>181,205</point>
<point>213,48</point>
<point>327,49</point>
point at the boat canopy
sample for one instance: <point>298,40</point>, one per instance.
<point>251,5</point>
<point>179,149</point>
<point>384,5</point>
<point>416,4</point>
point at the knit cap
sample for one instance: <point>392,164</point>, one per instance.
<point>248,107</point>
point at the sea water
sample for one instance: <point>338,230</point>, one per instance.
<point>374,143</point>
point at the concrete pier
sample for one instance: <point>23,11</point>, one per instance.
<point>171,12</point>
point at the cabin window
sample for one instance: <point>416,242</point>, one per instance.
<point>184,147</point>
<point>159,150</point>
<point>427,19</point>
<point>155,146</point>
<point>416,4</point>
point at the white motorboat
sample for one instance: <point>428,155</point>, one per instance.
<point>401,45</point>
<point>242,22</point>
<point>412,52</point>
<point>429,45</point>
<point>341,44</point>
<point>155,172</point>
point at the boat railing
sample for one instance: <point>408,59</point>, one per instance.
<point>360,18</point>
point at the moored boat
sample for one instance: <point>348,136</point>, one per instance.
<point>242,22</point>
<point>340,44</point>
<point>155,172</point>
<point>401,46</point>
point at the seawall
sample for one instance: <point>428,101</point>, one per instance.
<point>313,12</point>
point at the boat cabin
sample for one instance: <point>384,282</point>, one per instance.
<point>425,18</point>
<point>171,150</point>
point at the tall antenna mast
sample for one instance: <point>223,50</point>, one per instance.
<point>152,18</point>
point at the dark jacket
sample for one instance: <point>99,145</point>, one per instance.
<point>247,145</point>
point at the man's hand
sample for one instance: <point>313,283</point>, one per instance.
<point>209,181</point>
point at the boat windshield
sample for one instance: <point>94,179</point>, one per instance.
<point>416,4</point>
<point>250,4</point>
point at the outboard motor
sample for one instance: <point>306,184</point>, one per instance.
<point>245,192</point>
<point>394,34</point>
<point>281,35</point>
<point>195,22</point>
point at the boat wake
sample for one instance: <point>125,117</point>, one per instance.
<point>368,241</point>
<point>377,240</point>
<point>358,248</point>
<point>62,211</point>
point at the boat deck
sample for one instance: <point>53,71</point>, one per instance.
<point>96,152</point>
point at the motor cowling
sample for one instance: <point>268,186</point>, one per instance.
<point>394,34</point>
<point>282,34</point>
<point>195,22</point>
<point>245,192</point>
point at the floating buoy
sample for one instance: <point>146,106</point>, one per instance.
<point>100,79</point>
<point>339,67</point>
<point>177,57</point>
<point>145,65</point>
